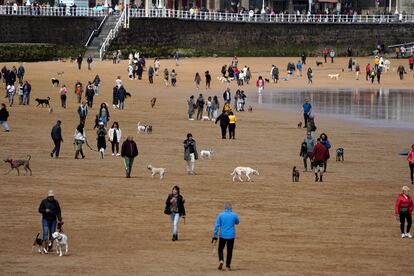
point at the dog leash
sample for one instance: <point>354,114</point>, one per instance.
<point>87,144</point>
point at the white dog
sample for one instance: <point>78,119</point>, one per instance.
<point>206,153</point>
<point>205,118</point>
<point>61,240</point>
<point>334,76</point>
<point>141,128</point>
<point>155,171</point>
<point>238,171</point>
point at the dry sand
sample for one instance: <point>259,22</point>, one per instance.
<point>116,226</point>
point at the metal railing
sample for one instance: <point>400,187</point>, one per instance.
<point>275,18</point>
<point>112,34</point>
<point>96,31</point>
<point>52,11</point>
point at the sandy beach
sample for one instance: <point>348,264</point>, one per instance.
<point>116,226</point>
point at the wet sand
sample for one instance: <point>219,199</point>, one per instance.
<point>116,226</point>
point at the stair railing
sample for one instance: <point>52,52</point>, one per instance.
<point>112,34</point>
<point>95,32</point>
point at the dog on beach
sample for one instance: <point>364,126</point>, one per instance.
<point>267,80</point>
<point>15,164</point>
<point>155,171</point>
<point>319,63</point>
<point>300,125</point>
<point>250,108</point>
<point>295,175</point>
<point>206,153</point>
<point>55,81</point>
<point>37,243</point>
<point>128,95</point>
<point>339,154</point>
<point>239,171</point>
<point>223,79</point>
<point>145,128</point>
<point>61,241</point>
<point>333,76</point>
<point>43,102</point>
<point>153,101</point>
<point>205,118</point>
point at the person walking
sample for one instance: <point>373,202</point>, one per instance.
<point>27,88</point>
<point>97,84</point>
<point>227,96</point>
<point>177,58</point>
<point>401,71</point>
<point>225,232</point>
<point>403,211</point>
<point>197,80</point>
<point>357,70</point>
<point>166,76</point>
<point>224,122</point>
<point>121,94</point>
<point>79,61</point>
<point>232,125</point>
<point>174,206</point>
<point>4,115</point>
<point>51,216</point>
<point>379,71</point>
<point>260,85</point>
<point>115,134</point>
<point>63,91</point>
<point>215,106</point>
<point>200,107</point>
<point>173,78</point>
<point>90,93</point>
<point>101,139</point>
<point>56,135</point>
<point>80,139</point>
<point>319,157</point>
<point>309,75</point>
<point>190,153</point>
<point>10,89</point>
<point>325,53</point>
<point>410,159</point>
<point>208,79</point>
<point>306,150</point>
<point>104,114</point>
<point>151,75</point>
<point>327,144</point>
<point>89,60</point>
<point>332,55</point>
<point>129,151</point>
<point>368,71</point>
<point>83,112</point>
<point>306,108</point>
<point>191,107</point>
<point>78,91</point>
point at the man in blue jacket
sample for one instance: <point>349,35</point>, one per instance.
<point>225,223</point>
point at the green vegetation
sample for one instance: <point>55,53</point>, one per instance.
<point>36,52</point>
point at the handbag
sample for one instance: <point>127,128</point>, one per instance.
<point>167,210</point>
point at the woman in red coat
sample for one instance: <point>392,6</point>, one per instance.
<point>403,209</point>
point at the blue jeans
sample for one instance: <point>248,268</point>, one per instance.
<point>49,227</point>
<point>175,219</point>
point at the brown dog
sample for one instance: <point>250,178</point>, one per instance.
<point>300,125</point>
<point>250,108</point>
<point>15,164</point>
<point>153,100</point>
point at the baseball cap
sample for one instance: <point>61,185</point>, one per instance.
<point>50,193</point>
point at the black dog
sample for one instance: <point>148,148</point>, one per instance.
<point>267,80</point>
<point>295,175</point>
<point>127,94</point>
<point>55,82</point>
<point>319,63</point>
<point>43,102</point>
<point>37,243</point>
<point>339,154</point>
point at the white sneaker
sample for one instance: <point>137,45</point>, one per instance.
<point>408,235</point>
<point>118,154</point>
<point>402,235</point>
<point>113,154</point>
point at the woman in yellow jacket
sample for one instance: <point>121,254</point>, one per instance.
<point>232,125</point>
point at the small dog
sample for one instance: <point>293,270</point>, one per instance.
<point>61,241</point>
<point>206,153</point>
<point>205,118</point>
<point>267,80</point>
<point>43,102</point>
<point>223,79</point>
<point>155,171</point>
<point>15,164</point>
<point>238,171</point>
<point>250,108</point>
<point>295,175</point>
<point>339,154</point>
<point>333,76</point>
<point>50,110</point>
<point>319,63</point>
<point>128,95</point>
<point>300,125</point>
<point>37,243</point>
<point>153,100</point>
<point>146,128</point>
<point>55,81</point>
<point>60,73</point>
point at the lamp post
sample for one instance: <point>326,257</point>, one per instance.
<point>396,6</point>
<point>310,6</point>
<point>263,11</point>
<point>390,6</point>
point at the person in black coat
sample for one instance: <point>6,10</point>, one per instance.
<point>56,135</point>
<point>115,97</point>
<point>51,215</point>
<point>129,151</point>
<point>121,97</point>
<point>224,122</point>
<point>174,206</point>
<point>4,115</point>
<point>227,95</point>
<point>79,61</point>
